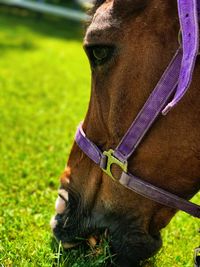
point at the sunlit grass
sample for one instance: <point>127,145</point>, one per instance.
<point>44,91</point>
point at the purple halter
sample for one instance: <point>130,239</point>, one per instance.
<point>175,81</point>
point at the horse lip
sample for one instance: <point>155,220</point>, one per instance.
<point>69,245</point>
<point>92,241</point>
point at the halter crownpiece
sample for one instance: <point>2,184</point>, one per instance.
<point>174,82</point>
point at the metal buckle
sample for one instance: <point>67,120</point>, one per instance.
<point>111,159</point>
<point>197,257</point>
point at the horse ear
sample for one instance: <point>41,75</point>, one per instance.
<point>128,6</point>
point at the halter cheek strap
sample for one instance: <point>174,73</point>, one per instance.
<point>188,17</point>
<point>174,82</point>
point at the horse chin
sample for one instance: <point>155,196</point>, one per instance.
<point>68,232</point>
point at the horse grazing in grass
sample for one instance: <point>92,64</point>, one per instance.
<point>129,44</point>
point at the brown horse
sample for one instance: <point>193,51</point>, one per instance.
<point>129,44</point>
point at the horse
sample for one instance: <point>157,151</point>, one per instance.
<point>129,44</point>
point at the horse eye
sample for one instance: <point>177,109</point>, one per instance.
<point>99,55</point>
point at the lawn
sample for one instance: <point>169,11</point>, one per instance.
<point>44,91</point>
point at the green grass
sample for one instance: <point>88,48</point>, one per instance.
<point>44,91</point>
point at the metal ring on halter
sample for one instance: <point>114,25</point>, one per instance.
<point>180,40</point>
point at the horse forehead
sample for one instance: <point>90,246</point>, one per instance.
<point>103,24</point>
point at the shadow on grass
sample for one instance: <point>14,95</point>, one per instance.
<point>13,18</point>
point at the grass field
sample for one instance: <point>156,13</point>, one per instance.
<point>44,91</point>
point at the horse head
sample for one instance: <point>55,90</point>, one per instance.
<point>129,44</point>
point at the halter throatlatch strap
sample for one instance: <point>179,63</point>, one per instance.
<point>175,81</point>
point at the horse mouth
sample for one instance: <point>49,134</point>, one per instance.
<point>69,241</point>
<point>58,235</point>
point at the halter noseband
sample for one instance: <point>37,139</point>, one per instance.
<point>174,82</point>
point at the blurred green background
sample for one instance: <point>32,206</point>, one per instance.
<point>44,92</point>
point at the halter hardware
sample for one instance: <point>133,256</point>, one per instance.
<point>110,160</point>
